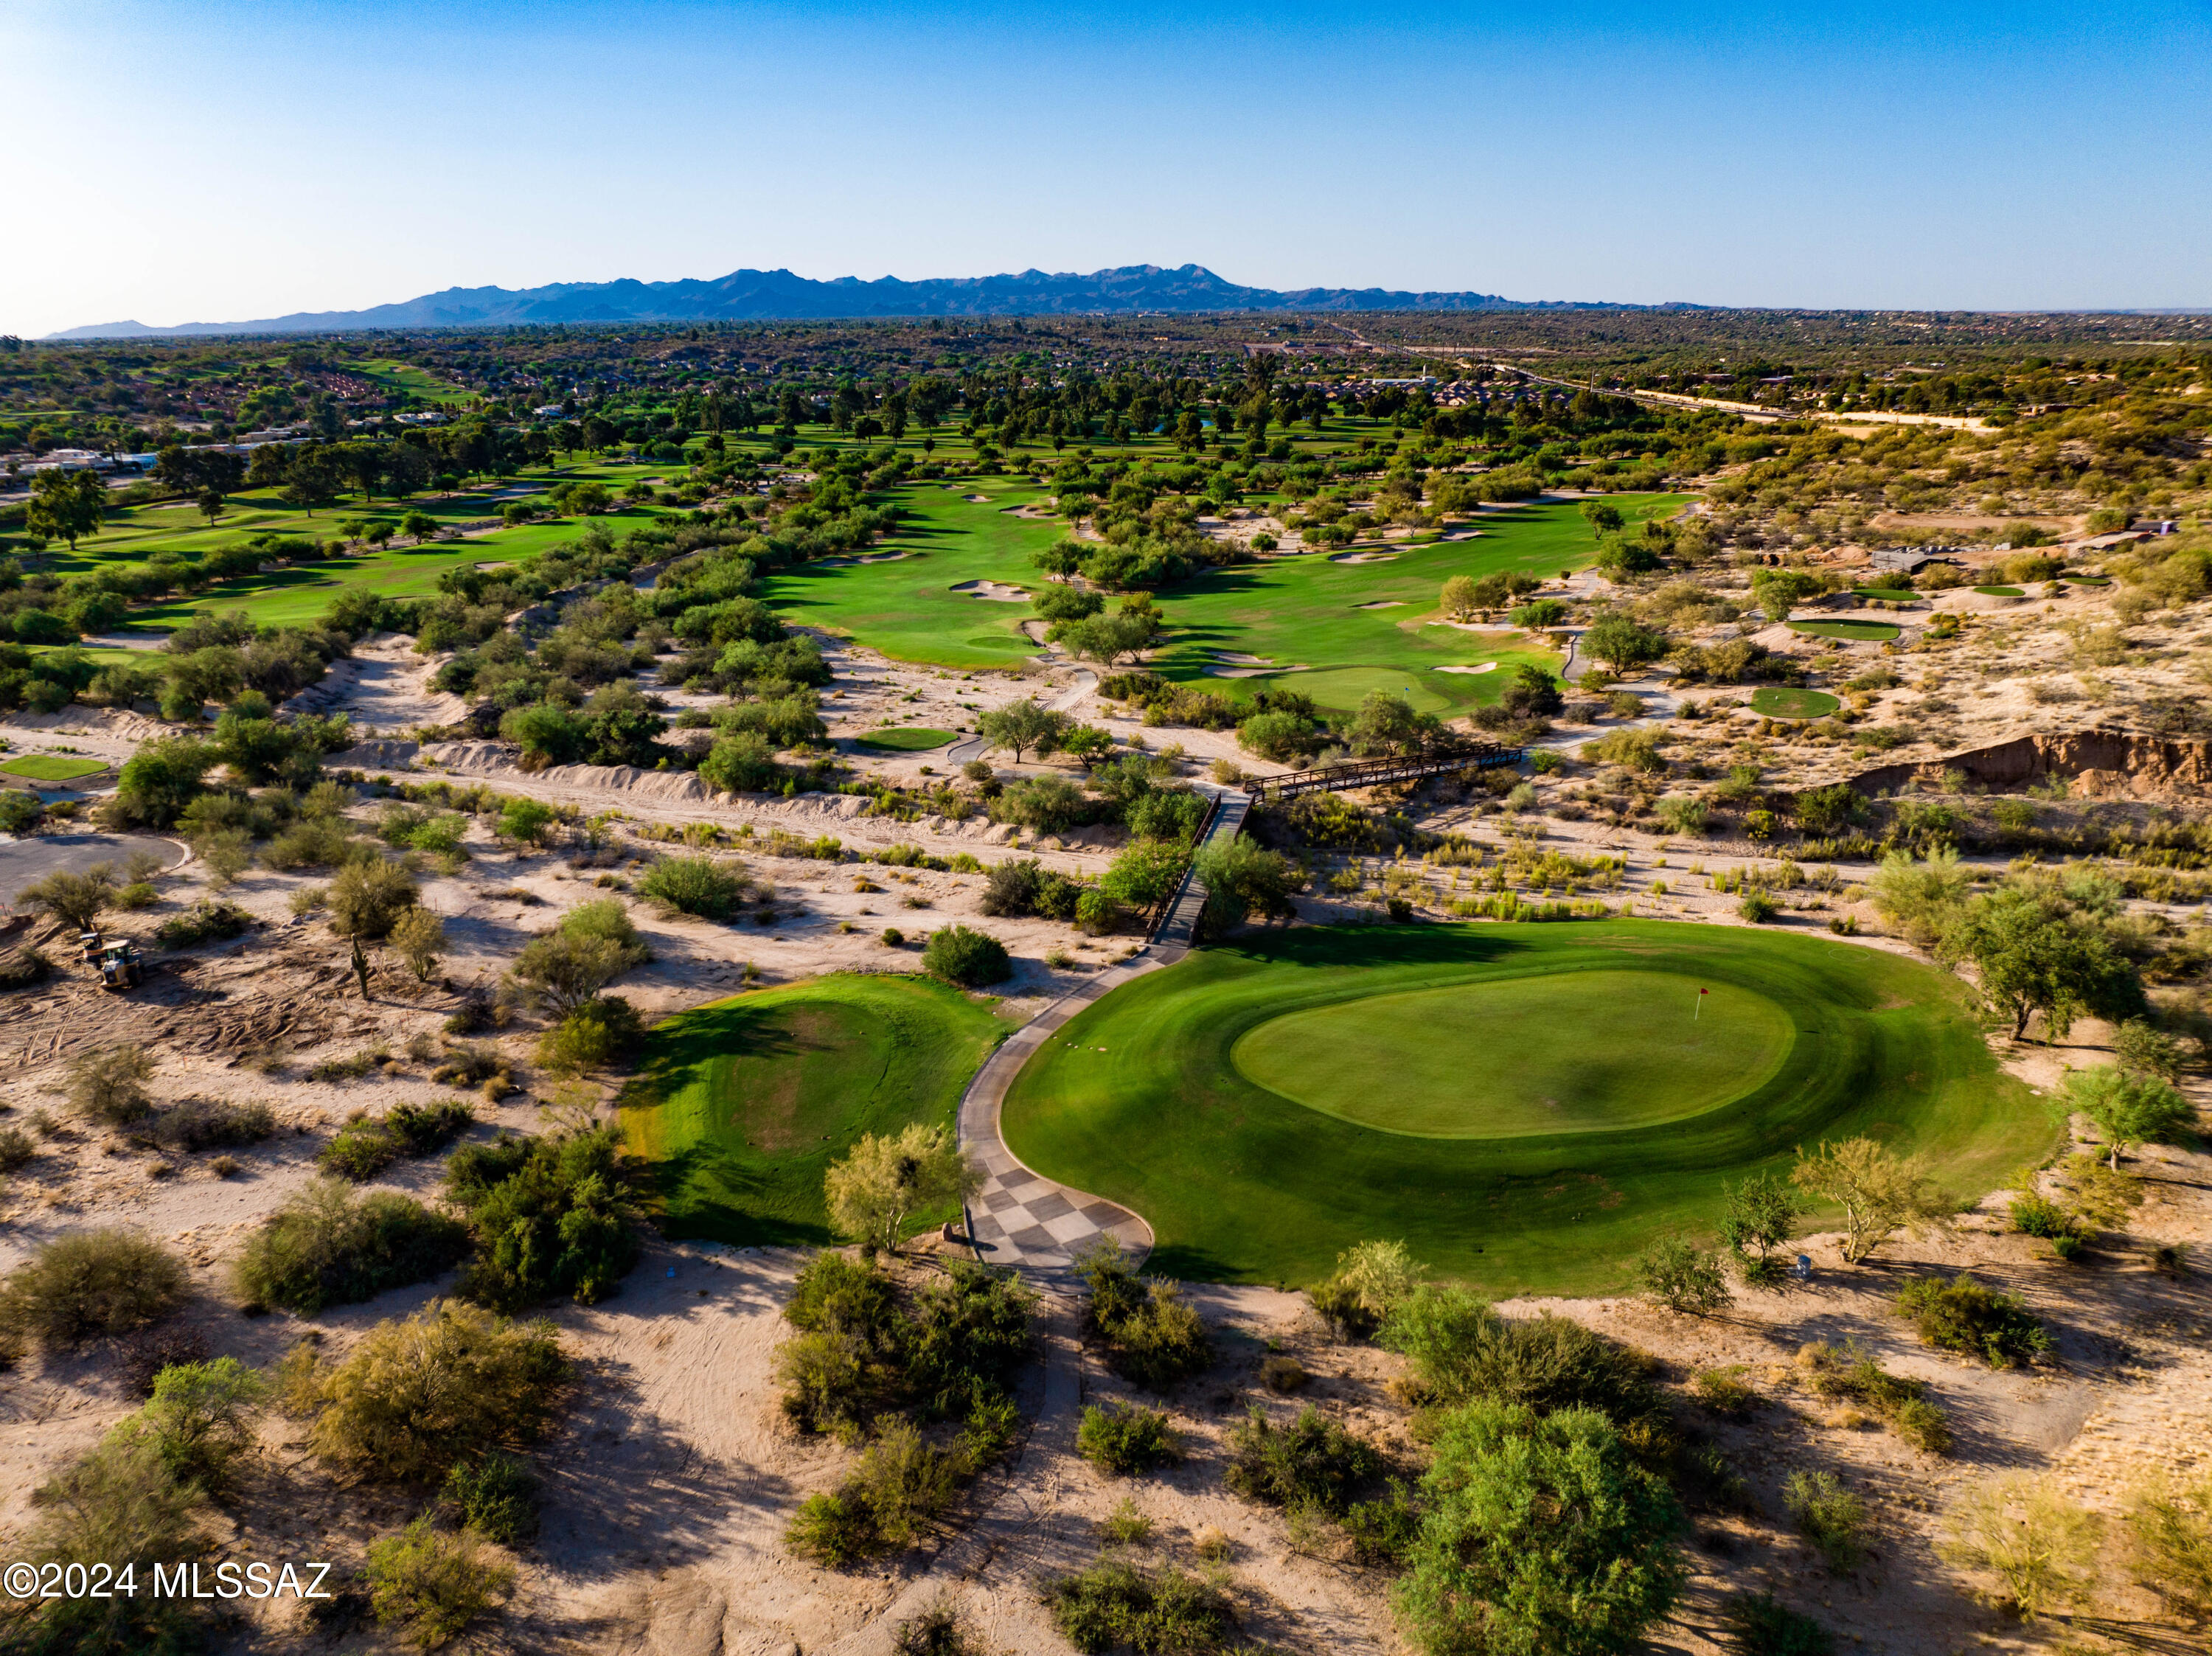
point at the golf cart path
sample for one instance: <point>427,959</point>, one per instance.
<point>1020,1217</point>
<point>975,747</point>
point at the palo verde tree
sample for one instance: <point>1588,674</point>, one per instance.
<point>885,1179</point>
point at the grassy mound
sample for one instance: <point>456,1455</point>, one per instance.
<point>2001,591</point>
<point>1776,702</point>
<point>1863,632</point>
<point>1887,594</point>
<point>907,738</point>
<point>743,1105</point>
<point>51,767</point>
<point>1440,1127</point>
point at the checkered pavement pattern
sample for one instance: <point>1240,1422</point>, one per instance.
<point>1022,1219</point>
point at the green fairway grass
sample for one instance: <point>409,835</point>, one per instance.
<point>907,738</point>
<point>1660,1051</point>
<point>741,1105</point>
<point>1777,703</point>
<point>51,767</point>
<point>1863,632</point>
<point>2001,592</point>
<point>1148,1097</point>
<point>1293,612</point>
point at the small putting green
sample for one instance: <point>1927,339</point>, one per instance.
<point>1659,1048</point>
<point>741,1105</point>
<point>1859,632</point>
<point>2001,592</point>
<point>51,767</point>
<point>907,738</point>
<point>1887,594</point>
<point>1395,1104</point>
<point>1776,701</point>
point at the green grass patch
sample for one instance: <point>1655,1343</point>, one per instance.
<point>741,1105</point>
<point>1887,594</point>
<point>51,767</point>
<point>1526,1105</point>
<point>2001,592</point>
<point>907,738</point>
<point>1863,632</point>
<point>1777,703</point>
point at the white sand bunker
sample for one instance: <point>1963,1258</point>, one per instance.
<point>979,500</point>
<point>997,592</point>
<point>1382,603</point>
<point>1256,672</point>
<point>1243,660</point>
<point>1363,557</point>
<point>1480,667</point>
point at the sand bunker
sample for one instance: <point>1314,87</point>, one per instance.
<point>1243,660</point>
<point>979,500</point>
<point>1363,557</point>
<point>997,592</point>
<point>1256,672</point>
<point>1479,667</point>
<point>1382,603</point>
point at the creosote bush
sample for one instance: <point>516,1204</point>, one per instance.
<point>1118,1603</point>
<point>698,886</point>
<point>1153,1336</point>
<point>89,1284</point>
<point>2169,1530</point>
<point>1962,1315</point>
<point>552,1216</point>
<point>967,958</point>
<point>497,1497</point>
<point>2034,1550</point>
<point>1835,1520</point>
<point>434,1585</point>
<point>1126,1439</point>
<point>108,1085</point>
<point>1852,1376</point>
<point>329,1247</point>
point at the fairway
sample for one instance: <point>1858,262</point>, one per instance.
<point>1460,1065</point>
<point>906,738</point>
<point>1522,1104</point>
<point>1776,701</point>
<point>1859,632</point>
<point>741,1105</point>
<point>50,768</point>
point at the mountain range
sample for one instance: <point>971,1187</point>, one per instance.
<point>779,295</point>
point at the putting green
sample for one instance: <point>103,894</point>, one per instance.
<point>1472,1061</point>
<point>50,768</point>
<point>741,1106</point>
<point>907,738</point>
<point>1776,701</point>
<point>1360,1123</point>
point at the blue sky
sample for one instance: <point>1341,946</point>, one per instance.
<point>216,160</point>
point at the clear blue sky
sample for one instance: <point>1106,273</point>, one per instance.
<point>220,161</point>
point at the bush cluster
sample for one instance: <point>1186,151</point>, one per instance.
<point>1962,1315</point>
<point>967,958</point>
<point>329,1247</point>
<point>1117,1603</point>
<point>1152,1336</point>
<point>89,1284</point>
<point>1852,1376</point>
<point>363,1148</point>
<point>1125,1439</point>
<point>552,1217</point>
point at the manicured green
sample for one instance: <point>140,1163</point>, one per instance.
<point>1147,1097</point>
<point>1863,632</point>
<point>414,381</point>
<point>907,738</point>
<point>1777,703</point>
<point>2001,592</point>
<point>741,1106</point>
<point>1887,594</point>
<point>51,767</point>
<point>1660,1052</point>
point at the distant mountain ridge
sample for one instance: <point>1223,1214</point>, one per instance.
<point>779,295</point>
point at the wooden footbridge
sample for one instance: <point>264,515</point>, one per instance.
<point>1373,773</point>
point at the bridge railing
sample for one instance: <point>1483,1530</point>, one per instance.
<point>1373,773</point>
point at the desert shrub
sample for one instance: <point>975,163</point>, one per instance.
<point>108,1084</point>
<point>695,885</point>
<point>22,968</point>
<point>832,1530</point>
<point>1461,1350</point>
<point>1962,1315</point>
<point>328,1246</point>
<point>937,1631</point>
<point>497,1497</point>
<point>359,1151</point>
<point>1118,1603</point>
<point>1283,1374</point>
<point>468,1065</point>
<point>1852,1376</point>
<point>199,1123</point>
<point>561,1222</point>
<point>2039,1215</point>
<point>895,1494</point>
<point>560,973</point>
<point>599,1032</point>
<point>137,895</point>
<point>2169,1530</point>
<point>1835,1520</point>
<point>1760,1624</point>
<point>1371,1278</point>
<point>836,1288</point>
<point>200,1421</point>
<point>1312,1460</point>
<point>75,900</point>
<point>1125,1440</point>
<point>419,1394</point>
<point>1025,885</point>
<point>1159,1341</point>
<point>1683,1276</point>
<point>1757,907</point>
<point>203,922</point>
<point>968,958</point>
<point>433,1586</point>
<point>309,842</point>
<point>1724,1391</point>
<point>2039,1547</point>
<point>967,1335</point>
<point>91,1283</point>
<point>607,918</point>
<point>1540,1533</point>
<point>119,1506</point>
<point>16,1149</point>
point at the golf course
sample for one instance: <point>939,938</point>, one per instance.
<point>742,1105</point>
<point>1526,1106</point>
